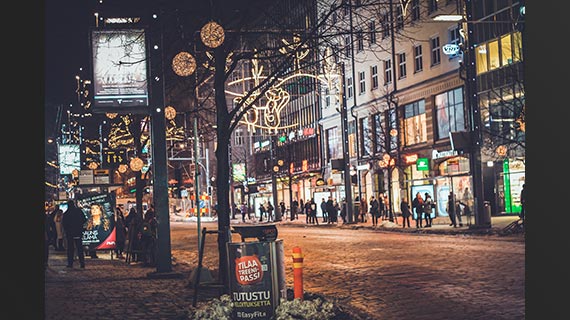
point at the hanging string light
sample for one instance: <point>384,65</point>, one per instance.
<point>183,64</point>
<point>212,34</point>
<point>136,164</point>
<point>169,112</point>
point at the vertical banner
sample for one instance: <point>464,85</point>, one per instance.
<point>257,278</point>
<point>99,233</point>
<point>120,77</point>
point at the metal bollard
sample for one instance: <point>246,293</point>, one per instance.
<point>298,273</point>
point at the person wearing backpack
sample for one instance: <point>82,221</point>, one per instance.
<point>428,209</point>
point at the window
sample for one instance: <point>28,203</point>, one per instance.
<point>374,77</point>
<point>359,41</point>
<point>399,18</point>
<point>362,82</point>
<point>432,6</point>
<point>506,50</point>
<point>498,53</point>
<point>365,138</point>
<point>385,26</point>
<point>449,112</point>
<point>349,88</point>
<point>372,32</point>
<point>455,38</point>
<point>418,59</point>
<point>239,137</point>
<point>435,51</point>
<point>402,65</point>
<point>415,130</point>
<point>327,97</point>
<point>387,72</point>
<point>334,143</point>
<point>415,10</point>
<point>378,134</point>
<point>347,46</point>
<point>352,138</point>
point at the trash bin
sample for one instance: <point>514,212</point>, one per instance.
<point>257,272</point>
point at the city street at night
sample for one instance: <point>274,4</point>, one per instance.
<point>386,274</point>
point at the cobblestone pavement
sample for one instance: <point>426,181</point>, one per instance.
<point>441,273</point>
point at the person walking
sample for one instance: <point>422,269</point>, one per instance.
<point>343,211</point>
<point>374,210</point>
<point>324,209</point>
<point>120,233</point>
<point>330,210</point>
<point>428,209</point>
<point>294,208</point>
<point>363,209</point>
<point>261,212</point>
<point>270,209</point>
<point>418,207</point>
<point>57,219</point>
<point>451,209</point>
<point>73,224</point>
<point>133,222</point>
<point>406,213</point>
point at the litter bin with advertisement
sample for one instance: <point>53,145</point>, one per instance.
<point>257,272</point>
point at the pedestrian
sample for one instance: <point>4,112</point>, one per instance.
<point>374,213</point>
<point>406,213</point>
<point>149,232</point>
<point>262,212</point>
<point>283,209</point>
<point>343,211</point>
<point>418,207</point>
<point>330,210</point>
<point>382,212</point>
<point>363,209</point>
<point>428,209</point>
<point>458,213</point>
<point>133,222</point>
<point>50,225</point>
<point>294,208</point>
<point>73,224</point>
<point>57,219</point>
<point>245,212</point>
<point>312,211</point>
<point>335,209</point>
<point>120,233</point>
<point>523,203</point>
<point>324,209</point>
<point>451,209</point>
<point>270,209</point>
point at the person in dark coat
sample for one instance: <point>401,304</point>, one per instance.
<point>120,233</point>
<point>406,213</point>
<point>73,223</point>
<point>451,208</point>
<point>418,206</point>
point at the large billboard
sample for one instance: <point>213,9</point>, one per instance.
<point>120,77</point>
<point>69,158</point>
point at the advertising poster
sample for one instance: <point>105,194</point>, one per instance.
<point>251,280</point>
<point>422,189</point>
<point>99,233</point>
<point>69,157</point>
<point>119,68</point>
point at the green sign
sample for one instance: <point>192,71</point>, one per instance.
<point>422,164</point>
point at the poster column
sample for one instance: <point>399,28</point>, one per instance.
<point>257,278</point>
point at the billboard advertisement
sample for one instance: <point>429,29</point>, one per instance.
<point>99,230</point>
<point>120,77</point>
<point>69,157</point>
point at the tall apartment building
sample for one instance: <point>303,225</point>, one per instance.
<point>411,122</point>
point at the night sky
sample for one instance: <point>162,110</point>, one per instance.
<point>67,24</point>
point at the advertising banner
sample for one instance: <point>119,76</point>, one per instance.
<point>99,233</point>
<point>257,278</point>
<point>119,68</point>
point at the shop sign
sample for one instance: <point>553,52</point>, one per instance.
<point>443,154</point>
<point>422,164</point>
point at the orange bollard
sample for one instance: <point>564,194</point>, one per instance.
<point>298,273</point>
